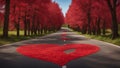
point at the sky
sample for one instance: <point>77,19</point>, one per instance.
<point>64,4</point>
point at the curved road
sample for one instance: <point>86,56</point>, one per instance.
<point>107,57</point>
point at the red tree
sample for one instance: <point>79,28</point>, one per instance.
<point>35,16</point>
<point>92,16</point>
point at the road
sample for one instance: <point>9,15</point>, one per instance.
<point>107,57</point>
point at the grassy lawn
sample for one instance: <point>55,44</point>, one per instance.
<point>105,38</point>
<point>13,38</point>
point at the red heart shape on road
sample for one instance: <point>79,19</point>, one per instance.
<point>55,53</point>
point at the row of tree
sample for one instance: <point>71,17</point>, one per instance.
<point>94,16</point>
<point>32,16</point>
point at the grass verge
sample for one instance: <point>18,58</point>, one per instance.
<point>13,38</point>
<point>105,38</point>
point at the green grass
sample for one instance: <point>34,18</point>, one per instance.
<point>65,25</point>
<point>13,38</point>
<point>1,31</point>
<point>105,38</point>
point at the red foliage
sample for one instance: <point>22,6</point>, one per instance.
<point>38,13</point>
<point>86,14</point>
<point>1,13</point>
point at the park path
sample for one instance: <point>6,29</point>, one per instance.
<point>107,57</point>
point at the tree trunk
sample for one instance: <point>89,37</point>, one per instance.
<point>84,30</point>
<point>89,16</point>
<point>6,18</point>
<point>89,21</point>
<point>41,31</point>
<point>94,30</point>
<point>33,24</point>
<point>112,6</point>
<point>28,26</point>
<point>98,27</point>
<point>25,25</point>
<point>18,27</point>
<point>104,28</point>
<point>114,25</point>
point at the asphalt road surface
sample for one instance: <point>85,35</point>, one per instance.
<point>107,57</point>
